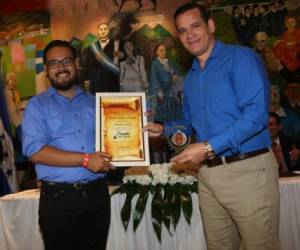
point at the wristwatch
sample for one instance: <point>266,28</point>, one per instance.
<point>209,151</point>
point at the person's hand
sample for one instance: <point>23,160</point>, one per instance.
<point>154,129</point>
<point>99,162</point>
<point>193,155</point>
<point>294,154</point>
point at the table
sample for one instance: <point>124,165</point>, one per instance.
<point>184,238</point>
<point>289,224</point>
<point>19,228</point>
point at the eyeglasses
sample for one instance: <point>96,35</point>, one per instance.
<point>55,64</point>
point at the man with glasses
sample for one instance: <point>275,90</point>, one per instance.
<point>59,137</point>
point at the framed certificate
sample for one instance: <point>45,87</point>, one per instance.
<point>119,122</point>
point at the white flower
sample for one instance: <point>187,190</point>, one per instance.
<point>143,180</point>
<point>189,180</point>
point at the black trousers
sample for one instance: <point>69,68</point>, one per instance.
<point>74,217</point>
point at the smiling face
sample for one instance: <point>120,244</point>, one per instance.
<point>195,34</point>
<point>60,68</point>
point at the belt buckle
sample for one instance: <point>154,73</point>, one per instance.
<point>78,186</point>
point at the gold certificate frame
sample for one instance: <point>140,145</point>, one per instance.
<point>120,118</point>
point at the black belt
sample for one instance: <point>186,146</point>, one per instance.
<point>228,159</point>
<point>75,185</point>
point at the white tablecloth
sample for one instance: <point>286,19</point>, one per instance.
<point>19,228</point>
<point>184,238</point>
<point>289,227</point>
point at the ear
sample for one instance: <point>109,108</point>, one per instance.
<point>45,69</point>
<point>211,25</point>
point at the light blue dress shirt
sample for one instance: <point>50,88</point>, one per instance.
<point>227,101</point>
<point>68,124</point>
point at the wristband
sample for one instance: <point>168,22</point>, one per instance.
<point>86,159</point>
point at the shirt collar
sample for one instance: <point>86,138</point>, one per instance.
<point>218,51</point>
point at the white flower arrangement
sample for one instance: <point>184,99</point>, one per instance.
<point>160,174</point>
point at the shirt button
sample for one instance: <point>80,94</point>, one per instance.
<point>75,115</point>
<point>79,131</point>
<point>82,147</point>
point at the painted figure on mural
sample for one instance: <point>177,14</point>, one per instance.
<point>133,76</point>
<point>261,46</point>
<point>162,76</point>
<point>15,107</point>
<point>102,62</point>
<point>287,48</point>
<point>13,99</point>
<point>121,3</point>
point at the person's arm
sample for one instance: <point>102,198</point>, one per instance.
<point>36,144</point>
<point>54,157</point>
<point>251,89</point>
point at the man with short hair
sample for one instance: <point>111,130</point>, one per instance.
<point>226,100</point>
<point>291,107</point>
<point>286,149</point>
<point>59,137</point>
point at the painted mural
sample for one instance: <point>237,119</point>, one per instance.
<point>131,45</point>
<point>22,39</point>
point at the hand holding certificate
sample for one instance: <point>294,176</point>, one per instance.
<point>119,122</point>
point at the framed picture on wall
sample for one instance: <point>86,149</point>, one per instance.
<point>120,118</point>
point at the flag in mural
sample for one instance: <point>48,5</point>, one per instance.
<point>8,177</point>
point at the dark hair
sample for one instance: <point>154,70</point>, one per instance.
<point>276,116</point>
<point>58,43</point>
<point>190,6</point>
<point>133,47</point>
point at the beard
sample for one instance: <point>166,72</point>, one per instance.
<point>63,85</point>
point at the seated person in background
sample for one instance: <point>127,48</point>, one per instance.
<point>287,48</point>
<point>285,149</point>
<point>261,47</point>
<point>275,105</point>
<point>291,107</point>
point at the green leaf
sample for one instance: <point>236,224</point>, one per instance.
<point>122,189</point>
<point>126,209</point>
<point>186,203</point>
<point>194,187</point>
<point>176,205</point>
<point>167,207</point>
<point>156,211</point>
<point>140,206</point>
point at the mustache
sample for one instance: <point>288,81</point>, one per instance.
<point>62,72</point>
